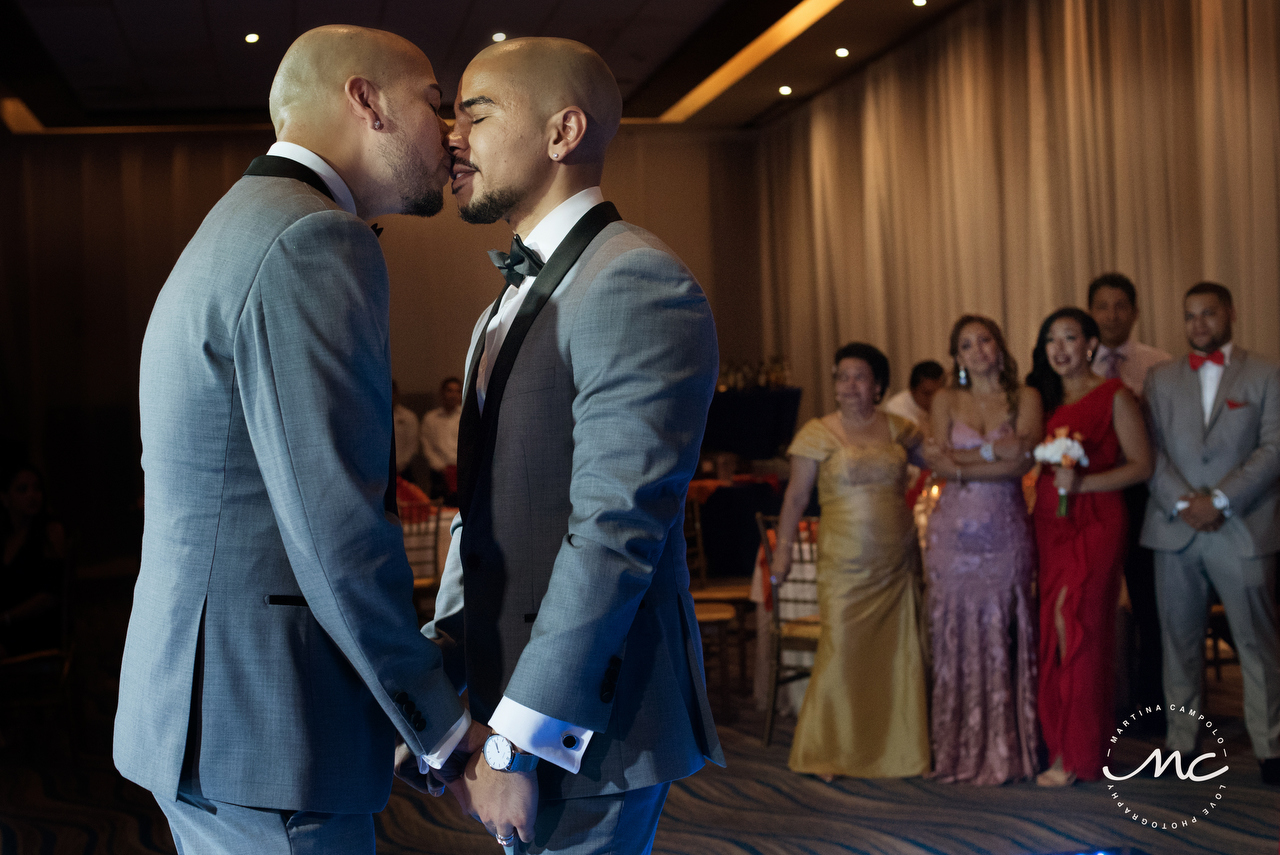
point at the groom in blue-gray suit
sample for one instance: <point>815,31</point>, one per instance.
<point>273,659</point>
<point>564,603</point>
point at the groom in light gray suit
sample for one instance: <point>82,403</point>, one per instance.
<point>273,658</point>
<point>564,604</point>
<point>1214,519</point>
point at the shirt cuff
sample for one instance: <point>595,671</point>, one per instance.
<point>445,746</point>
<point>1178,507</point>
<point>555,741</point>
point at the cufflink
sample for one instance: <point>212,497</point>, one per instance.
<point>569,741</point>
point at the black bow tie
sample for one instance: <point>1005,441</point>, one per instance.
<point>518,263</point>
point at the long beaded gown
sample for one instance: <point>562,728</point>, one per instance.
<point>1083,554</point>
<point>865,712</point>
<point>980,564</point>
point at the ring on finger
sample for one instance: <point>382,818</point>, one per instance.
<point>507,840</point>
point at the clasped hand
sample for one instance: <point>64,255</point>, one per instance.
<point>1200,513</point>
<point>502,801</point>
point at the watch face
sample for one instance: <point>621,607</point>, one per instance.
<point>497,752</point>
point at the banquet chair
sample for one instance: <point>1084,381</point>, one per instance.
<point>793,620</point>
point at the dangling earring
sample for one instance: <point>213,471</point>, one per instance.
<point>964,376</point>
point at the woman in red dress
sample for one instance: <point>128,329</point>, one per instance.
<point>1082,552</point>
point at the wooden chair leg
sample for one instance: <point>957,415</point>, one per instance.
<point>775,658</point>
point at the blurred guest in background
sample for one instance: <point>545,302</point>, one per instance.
<point>1214,518</point>
<point>440,441</point>
<point>1113,303</point>
<point>405,425</point>
<point>865,713</point>
<point>981,562</point>
<point>914,402</point>
<point>1081,552</point>
<point>34,563</point>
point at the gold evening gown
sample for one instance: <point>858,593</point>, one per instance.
<point>865,713</point>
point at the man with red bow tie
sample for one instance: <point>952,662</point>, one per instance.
<point>1214,518</point>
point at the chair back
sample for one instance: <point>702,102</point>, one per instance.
<point>797,597</point>
<point>421,523</point>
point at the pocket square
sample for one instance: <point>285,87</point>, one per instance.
<point>1235,405</point>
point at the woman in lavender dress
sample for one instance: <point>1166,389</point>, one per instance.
<point>980,564</point>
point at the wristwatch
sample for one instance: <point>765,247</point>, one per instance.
<point>502,756</point>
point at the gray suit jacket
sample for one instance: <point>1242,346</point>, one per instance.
<point>273,628</point>
<point>566,588</point>
<point>1238,452</point>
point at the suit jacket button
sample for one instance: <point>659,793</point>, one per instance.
<point>418,723</point>
<point>606,694</point>
<point>400,697</point>
<point>408,707</point>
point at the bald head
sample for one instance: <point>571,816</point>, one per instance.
<point>307,95</point>
<point>554,74</point>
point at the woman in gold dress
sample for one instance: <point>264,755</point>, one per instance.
<point>865,713</point>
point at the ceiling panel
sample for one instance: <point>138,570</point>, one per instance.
<point>176,61</point>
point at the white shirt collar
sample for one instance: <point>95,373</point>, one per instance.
<point>548,234</point>
<point>316,164</point>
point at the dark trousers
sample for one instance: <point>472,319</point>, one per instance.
<point>1146,685</point>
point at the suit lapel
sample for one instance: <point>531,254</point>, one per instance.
<point>1230,372</point>
<point>469,420</point>
<point>477,435</point>
<point>271,166</point>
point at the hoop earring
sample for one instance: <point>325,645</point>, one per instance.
<point>963,377</point>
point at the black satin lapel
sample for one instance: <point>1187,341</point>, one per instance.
<point>565,256</point>
<point>469,420</point>
<point>477,430</point>
<point>271,166</point>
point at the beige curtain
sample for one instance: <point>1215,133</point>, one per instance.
<point>999,162</point>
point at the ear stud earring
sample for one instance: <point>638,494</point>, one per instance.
<point>555,156</point>
<point>377,124</point>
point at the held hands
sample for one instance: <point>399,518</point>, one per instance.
<point>1200,513</point>
<point>504,802</point>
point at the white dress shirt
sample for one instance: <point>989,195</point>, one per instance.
<point>342,195</point>
<point>318,165</point>
<point>543,239</point>
<point>1210,379</point>
<point>527,728</point>
<point>1133,360</point>
<point>440,437</point>
<point>904,404</point>
<point>405,425</point>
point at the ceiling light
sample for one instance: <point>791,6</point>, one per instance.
<point>919,2</point>
<point>842,52</point>
<point>784,90</point>
<point>499,37</point>
<point>252,38</point>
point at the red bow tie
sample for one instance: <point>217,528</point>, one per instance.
<point>1196,360</point>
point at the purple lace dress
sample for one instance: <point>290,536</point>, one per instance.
<point>979,566</point>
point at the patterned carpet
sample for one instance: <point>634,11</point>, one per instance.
<point>62,795</point>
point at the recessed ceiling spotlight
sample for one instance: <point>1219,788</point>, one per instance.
<point>919,2</point>
<point>842,52</point>
<point>784,90</point>
<point>252,38</point>
<point>499,37</point>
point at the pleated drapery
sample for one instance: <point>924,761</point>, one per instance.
<point>1002,160</point>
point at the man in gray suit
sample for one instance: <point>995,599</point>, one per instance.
<point>273,652</point>
<point>564,603</point>
<point>1214,518</point>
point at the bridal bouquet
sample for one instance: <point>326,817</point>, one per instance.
<point>1062,449</point>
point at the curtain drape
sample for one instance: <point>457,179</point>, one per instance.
<point>1002,160</point>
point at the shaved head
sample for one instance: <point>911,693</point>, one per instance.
<point>367,102</point>
<point>308,86</point>
<point>552,74</point>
